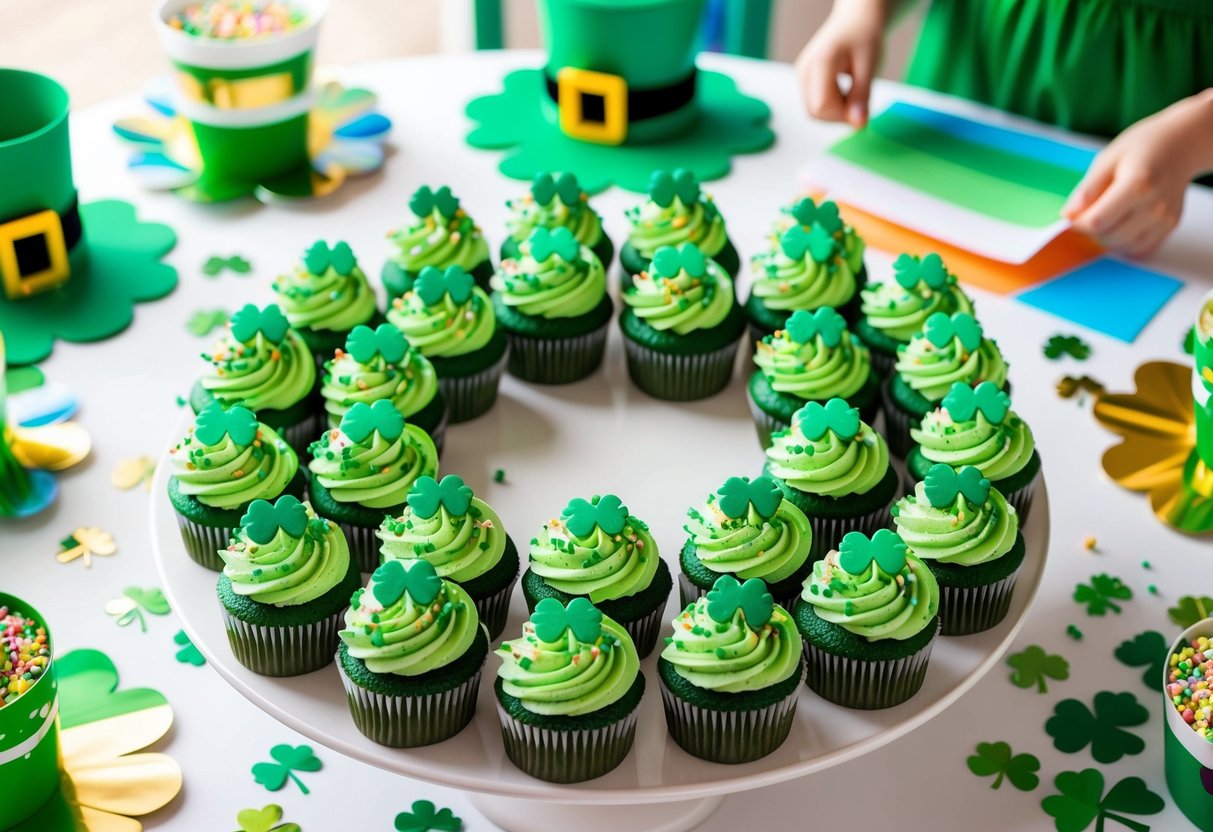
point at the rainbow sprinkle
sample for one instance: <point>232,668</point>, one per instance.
<point>27,654</point>
<point>1190,685</point>
<point>248,20</point>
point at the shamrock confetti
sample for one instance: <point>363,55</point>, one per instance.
<point>385,341</point>
<point>814,419</point>
<point>264,819</point>
<point>216,264</point>
<point>1070,386</point>
<point>1190,609</point>
<point>1070,345</point>
<point>1034,665</point>
<point>204,322</point>
<point>134,602</point>
<point>133,471</point>
<point>288,760</point>
<point>1148,650</point>
<point>1073,726</point>
<point>996,758</point>
<point>1101,594</point>
<point>1082,800</point>
<point>1073,632</point>
<point>499,476</point>
<point>188,653</point>
<point>425,818</point>
<point>85,542</point>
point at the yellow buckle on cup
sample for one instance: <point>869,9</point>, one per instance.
<point>573,85</point>
<point>239,93</point>
<point>49,226</point>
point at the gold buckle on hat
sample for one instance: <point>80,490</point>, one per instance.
<point>48,226</point>
<point>573,86</point>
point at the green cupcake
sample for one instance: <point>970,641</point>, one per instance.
<point>568,693</point>
<point>598,550</point>
<point>677,212</point>
<point>868,617</point>
<point>227,461</point>
<point>731,673</point>
<point>552,302</point>
<point>556,200</point>
<point>363,470</point>
<point>325,296</point>
<point>286,578</point>
<point>411,656</point>
<point>681,324</point>
<point>441,235</point>
<point>749,529</point>
<point>970,540</point>
<point>813,358</point>
<point>451,322</point>
<point>446,524</point>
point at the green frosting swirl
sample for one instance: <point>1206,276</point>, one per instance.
<point>813,371</point>
<point>599,566</point>
<point>229,475</point>
<point>853,246</point>
<point>932,371</point>
<point>460,547</point>
<point>327,301</point>
<point>962,534</point>
<point>830,466</point>
<point>434,240</point>
<point>998,450</point>
<point>653,226</point>
<point>900,312</point>
<point>288,571</point>
<point>409,385</point>
<point>526,214</point>
<point>260,374</point>
<point>750,546</point>
<point>682,304</point>
<point>447,328</point>
<point>786,284</point>
<point>554,288</point>
<point>376,472</point>
<point>874,605</point>
<point>568,677</point>
<point>732,657</point>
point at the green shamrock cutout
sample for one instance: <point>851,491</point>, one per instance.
<point>425,201</point>
<point>262,520</point>
<point>824,323</point>
<point>963,402</point>
<point>886,548</point>
<point>1102,594</point>
<point>545,242</point>
<point>434,283</point>
<point>836,415</point>
<point>203,322</point>
<point>264,819</point>
<point>269,322</point>
<point>1073,726</point>
<point>419,579</point>
<point>1190,609</point>
<point>364,343</point>
<point>552,619</point>
<point>425,817</point>
<point>187,652</point>
<point>215,264</point>
<point>427,494</point>
<point>669,261</point>
<point>1034,665</point>
<point>728,596</point>
<point>288,759</point>
<point>606,512</point>
<point>997,758</point>
<point>1071,345</point>
<point>134,602</point>
<point>664,186</point>
<point>214,422</point>
<point>909,271</point>
<point>363,419</point>
<point>1148,650</point>
<point>1082,801</point>
<point>943,484</point>
<point>738,494</point>
<point>940,330</point>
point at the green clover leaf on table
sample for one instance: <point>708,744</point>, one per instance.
<point>665,185</point>
<point>668,261</point>
<point>385,341</point>
<point>997,758</point>
<point>941,330</point>
<point>135,601</point>
<point>425,817</point>
<point>363,419</point>
<point>814,419</point>
<point>265,819</point>
<point>426,201</point>
<point>817,243</point>
<point>320,258</point>
<point>216,264</point>
<point>808,214</point>
<point>963,402</point>
<point>739,494</point>
<point>1101,594</point>
<point>1190,609</point>
<point>886,548</point>
<point>433,284</point>
<point>187,652</point>
<point>1073,726</point>
<point>262,520</point>
<point>1148,650</point>
<point>606,512</point>
<point>944,484</point>
<point>204,322</point>
<point>909,271</point>
<point>427,495</point>
<point>552,619</point>
<point>1033,665</point>
<point>249,321</point>
<point>1082,800</point>
<point>394,578</point>
<point>214,422</point>
<point>824,323</point>
<point>728,596</point>
<point>546,242</point>
<point>288,759</point>
<point>1071,345</point>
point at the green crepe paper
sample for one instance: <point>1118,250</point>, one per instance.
<point>123,269</point>
<point>20,379</point>
<point>288,759</point>
<point>264,819</point>
<point>188,653</point>
<point>1082,802</point>
<point>1071,345</point>
<point>1101,594</point>
<point>513,120</point>
<point>1034,665</point>
<point>1074,726</point>
<point>997,758</point>
<point>1148,650</point>
<point>1190,609</point>
<point>88,690</point>
<point>425,817</point>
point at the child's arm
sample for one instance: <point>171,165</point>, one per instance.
<point>1132,197</point>
<point>849,42</point>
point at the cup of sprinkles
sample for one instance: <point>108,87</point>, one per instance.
<point>1188,689</point>
<point>227,20</point>
<point>29,705</point>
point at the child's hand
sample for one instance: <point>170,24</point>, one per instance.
<point>850,42</point>
<point>1132,197</point>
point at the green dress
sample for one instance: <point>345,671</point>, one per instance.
<point>1095,66</point>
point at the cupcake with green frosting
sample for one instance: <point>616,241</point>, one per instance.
<point>892,311</point>
<point>746,528</point>
<point>326,296</point>
<point>450,320</point>
<point>363,470</point>
<point>444,523</point>
<point>263,364</point>
<point>380,364</point>
<point>552,303</point>
<point>287,576</point>
<point>806,213</point>
<point>223,464</point>
<point>868,615</point>
<point>681,324</point>
<point>411,655</point>
<point>568,693</point>
<point>948,349</point>
<point>556,200</point>
<point>731,673</point>
<point>440,234</point>
<point>677,212</point>
<point>976,426</point>
<point>812,359</point>
<point>598,550</point>
<point>836,470</point>
<point>969,538</point>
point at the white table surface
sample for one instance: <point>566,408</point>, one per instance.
<point>128,388</point>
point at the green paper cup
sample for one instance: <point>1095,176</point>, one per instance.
<point>1188,758</point>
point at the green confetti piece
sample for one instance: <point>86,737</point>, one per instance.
<point>1071,345</point>
<point>425,817</point>
<point>204,322</point>
<point>188,654</point>
<point>1033,666</point>
<point>288,759</point>
<point>1148,650</point>
<point>1081,801</point>
<point>1074,726</point>
<point>996,758</point>
<point>1101,594</point>
<point>265,819</point>
<point>499,475</point>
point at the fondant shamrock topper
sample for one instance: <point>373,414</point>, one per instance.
<point>943,484</point>
<point>886,548</point>
<point>964,402</point>
<point>552,619</point>
<point>738,494</point>
<point>394,578</point>
<point>434,283</point>
<point>606,512</point>
<point>909,271</point>
<point>681,183</point>
<point>815,419</point>
<point>320,258</point>
<point>669,261</point>
<point>808,214</point>
<point>565,187</point>
<point>214,422</point>
<point>427,495</point>
<point>363,419</point>
<point>940,330</point>
<point>824,323</point>
<point>269,322</point>
<point>385,340</point>
<point>262,520</point>
<point>425,201</point>
<point>727,596</point>
<point>545,242</point>
<point>817,243</point>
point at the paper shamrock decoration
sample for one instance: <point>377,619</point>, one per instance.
<point>215,264</point>
<point>265,819</point>
<point>187,653</point>
<point>669,261</point>
<point>427,495</point>
<point>824,323</point>
<point>262,520</point>
<point>817,243</point>
<point>216,422</point>
<point>664,186</point>
<point>545,242</point>
<point>1073,726</point>
<point>885,548</point>
<point>941,330</point>
<point>418,578</point>
<point>433,284</point>
<point>739,494</point>
<point>606,512</point>
<point>835,415</point>
<point>809,214</point>
<point>963,402</point>
<point>425,817</point>
<point>1148,650</point>
<point>1082,800</point>
<point>320,258</point>
<point>363,419</point>
<point>997,758</point>
<point>134,602</point>
<point>206,321</point>
<point>728,596</point>
<point>552,619</point>
<point>909,271</point>
<point>1190,609</point>
<point>1102,594</point>
<point>385,340</point>
<point>943,484</point>
<point>249,321</point>
<point>288,759</point>
<point>85,543</point>
<point>1033,665</point>
<point>426,201</point>
<point>565,187</point>
<point>1071,345</point>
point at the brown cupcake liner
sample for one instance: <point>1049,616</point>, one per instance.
<point>557,360</point>
<point>679,378</point>
<point>566,756</point>
<point>411,721</point>
<point>470,396</point>
<point>974,609</point>
<point>864,684</point>
<point>283,651</point>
